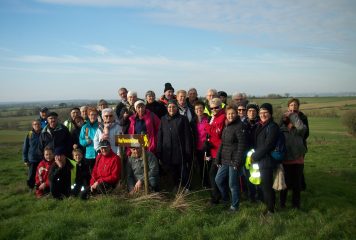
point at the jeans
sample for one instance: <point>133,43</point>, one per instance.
<point>226,171</point>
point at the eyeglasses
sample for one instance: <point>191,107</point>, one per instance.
<point>241,109</point>
<point>215,108</point>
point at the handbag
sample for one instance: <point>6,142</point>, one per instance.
<point>279,183</point>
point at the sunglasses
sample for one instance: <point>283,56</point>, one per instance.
<point>241,109</point>
<point>217,107</point>
<point>108,115</point>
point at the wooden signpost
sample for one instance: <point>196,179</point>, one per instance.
<point>135,140</point>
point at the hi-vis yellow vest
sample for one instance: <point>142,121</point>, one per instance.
<point>255,175</point>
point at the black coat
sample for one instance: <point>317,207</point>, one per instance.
<point>265,138</point>
<point>233,145</point>
<point>58,137</point>
<point>60,180</point>
<point>174,144</point>
<point>157,108</point>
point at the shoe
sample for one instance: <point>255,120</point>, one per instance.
<point>233,209</point>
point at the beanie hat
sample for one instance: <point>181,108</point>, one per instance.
<point>168,86</point>
<point>52,114</point>
<point>59,151</point>
<point>222,94</point>
<point>138,102</point>
<point>172,101</point>
<point>268,107</point>
<point>252,105</point>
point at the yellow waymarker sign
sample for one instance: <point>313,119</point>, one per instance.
<point>131,140</point>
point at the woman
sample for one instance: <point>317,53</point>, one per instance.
<point>215,128</point>
<point>156,107</point>
<point>145,122</point>
<point>294,131</point>
<point>86,137</point>
<point>174,146</point>
<point>230,157</point>
<point>108,130</point>
<point>265,140</point>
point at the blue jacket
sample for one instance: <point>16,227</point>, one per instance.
<point>90,152</point>
<point>30,147</point>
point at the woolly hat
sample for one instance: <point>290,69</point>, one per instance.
<point>252,105</point>
<point>168,86</point>
<point>172,101</point>
<point>59,151</point>
<point>138,102</point>
<point>222,94</point>
<point>268,107</point>
<point>44,109</point>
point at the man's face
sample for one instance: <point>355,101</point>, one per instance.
<point>123,94</point>
<point>43,115</point>
<point>192,95</point>
<point>136,152</point>
<point>74,113</point>
<point>210,95</point>
<point>52,121</point>
<point>132,99</point>
<point>169,94</point>
<point>251,113</point>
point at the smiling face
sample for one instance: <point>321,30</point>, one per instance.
<point>105,151</point>
<point>36,126</point>
<point>215,109</point>
<point>52,121</point>
<point>231,115</point>
<point>172,109</point>
<point>251,113</point>
<point>199,110</point>
<point>181,98</point>
<point>264,115</point>
<point>140,110</point>
<point>293,106</point>
<point>169,94</point>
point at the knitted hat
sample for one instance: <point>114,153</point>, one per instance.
<point>59,151</point>
<point>52,114</point>
<point>168,86</point>
<point>268,107</point>
<point>172,101</point>
<point>252,105</point>
<point>222,94</point>
<point>138,102</point>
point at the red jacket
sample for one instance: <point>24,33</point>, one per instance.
<point>42,172</point>
<point>106,169</point>
<point>152,125</point>
<point>215,129</point>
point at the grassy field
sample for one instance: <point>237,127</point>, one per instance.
<point>328,205</point>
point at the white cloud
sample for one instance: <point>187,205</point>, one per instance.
<point>99,49</point>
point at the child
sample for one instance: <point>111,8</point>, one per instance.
<point>30,153</point>
<point>42,180</point>
<point>60,174</point>
<point>81,175</point>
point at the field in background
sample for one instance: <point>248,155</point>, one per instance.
<point>328,205</point>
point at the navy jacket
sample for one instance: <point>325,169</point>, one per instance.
<point>30,151</point>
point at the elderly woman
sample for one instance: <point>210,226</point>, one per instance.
<point>214,129</point>
<point>265,140</point>
<point>145,122</point>
<point>156,107</point>
<point>107,130</point>
<point>174,146</point>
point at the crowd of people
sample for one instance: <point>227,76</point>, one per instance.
<point>188,138</point>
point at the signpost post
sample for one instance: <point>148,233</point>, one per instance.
<point>136,140</point>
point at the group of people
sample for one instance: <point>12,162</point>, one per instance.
<point>188,138</point>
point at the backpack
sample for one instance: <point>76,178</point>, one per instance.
<point>279,152</point>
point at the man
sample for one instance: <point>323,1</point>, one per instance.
<point>168,94</point>
<point>69,123</point>
<point>107,169</point>
<point>123,101</point>
<point>135,171</point>
<point>239,98</point>
<point>43,117</point>
<point>55,135</point>
<point>210,94</point>
<point>156,107</point>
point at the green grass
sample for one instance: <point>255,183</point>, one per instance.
<point>328,205</point>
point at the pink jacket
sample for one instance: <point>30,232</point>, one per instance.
<point>201,132</point>
<point>152,125</point>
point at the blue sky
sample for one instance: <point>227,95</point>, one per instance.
<point>87,49</point>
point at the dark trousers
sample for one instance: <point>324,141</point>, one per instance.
<point>293,176</point>
<point>266,185</point>
<point>213,169</point>
<point>91,163</point>
<point>31,174</point>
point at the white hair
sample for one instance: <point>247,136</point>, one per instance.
<point>132,93</point>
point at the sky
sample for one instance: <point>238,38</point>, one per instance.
<point>88,49</point>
